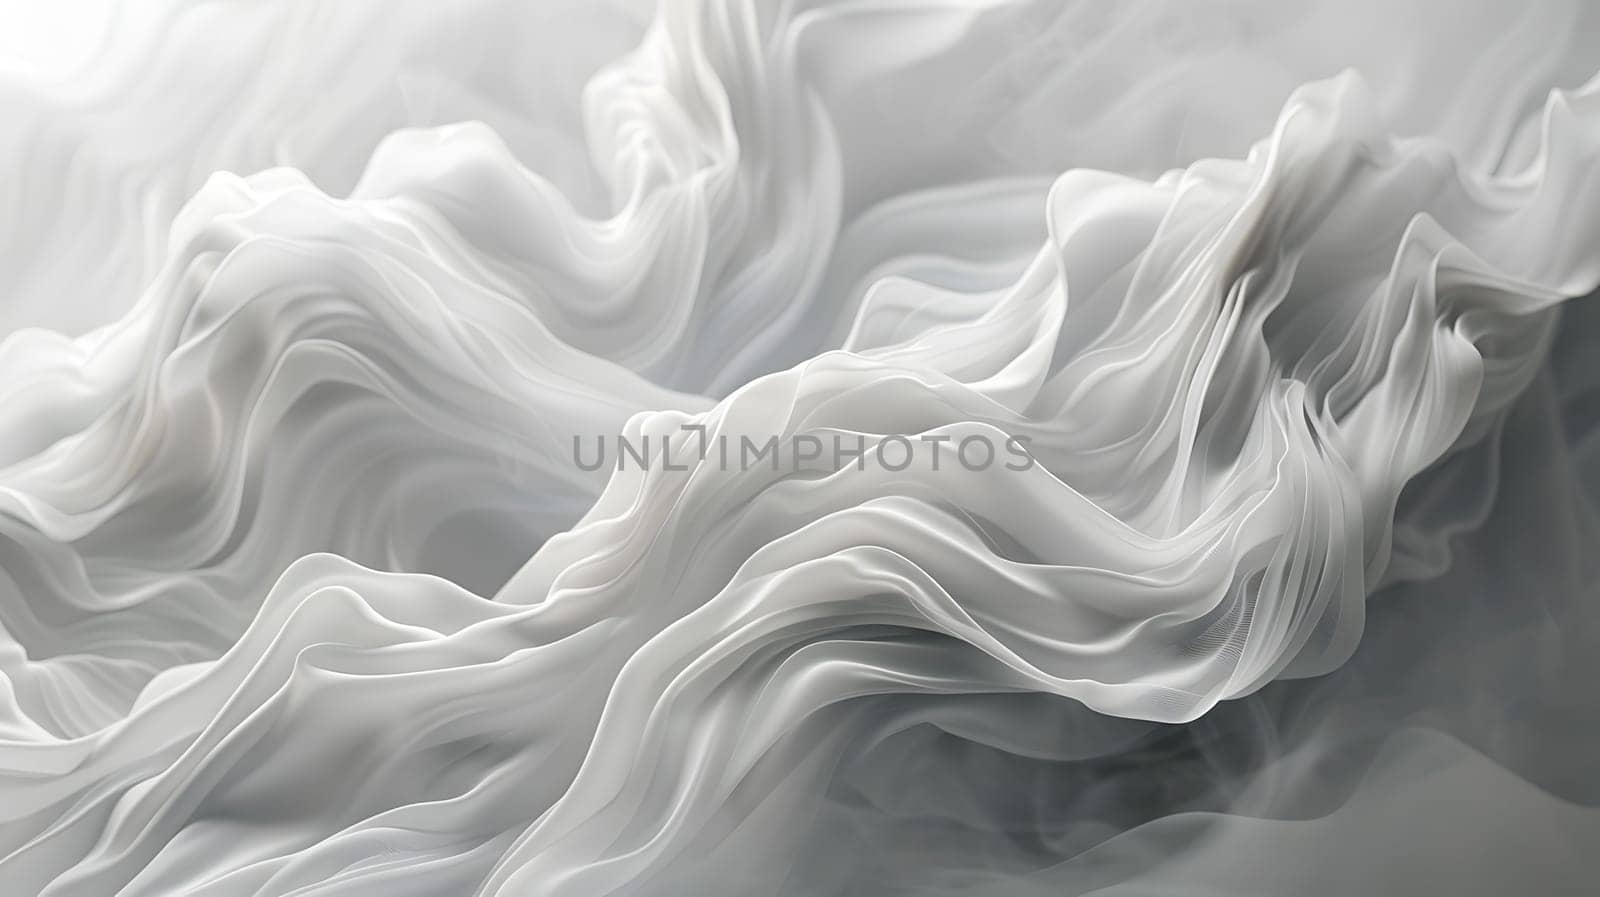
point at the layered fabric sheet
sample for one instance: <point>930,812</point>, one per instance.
<point>800,447</point>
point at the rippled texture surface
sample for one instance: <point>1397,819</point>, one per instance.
<point>305,591</point>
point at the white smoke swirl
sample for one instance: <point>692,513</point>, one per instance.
<point>305,592</point>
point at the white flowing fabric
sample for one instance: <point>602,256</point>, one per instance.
<point>303,592</point>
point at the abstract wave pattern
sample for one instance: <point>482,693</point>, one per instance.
<point>305,591</point>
